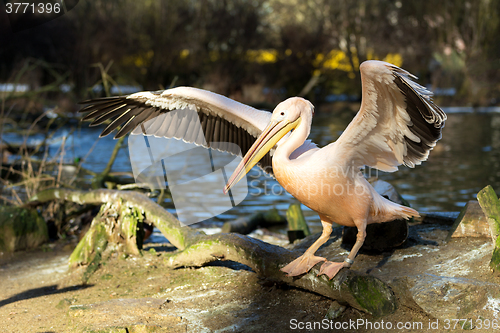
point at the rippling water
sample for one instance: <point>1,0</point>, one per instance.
<point>463,162</point>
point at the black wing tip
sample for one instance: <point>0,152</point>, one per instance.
<point>424,95</point>
<point>428,119</point>
<point>102,99</point>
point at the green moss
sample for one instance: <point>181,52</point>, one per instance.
<point>495,258</point>
<point>93,266</point>
<point>491,207</point>
<point>21,228</point>
<point>372,294</point>
<point>94,242</point>
<point>131,225</point>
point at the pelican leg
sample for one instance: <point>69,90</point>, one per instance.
<point>306,261</point>
<point>331,269</point>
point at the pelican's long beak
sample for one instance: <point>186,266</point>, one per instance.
<point>269,137</point>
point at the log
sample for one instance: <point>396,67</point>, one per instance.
<point>177,234</point>
<point>117,225</point>
<point>491,207</point>
<point>246,224</point>
<point>363,292</point>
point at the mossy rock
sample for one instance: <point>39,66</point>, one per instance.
<point>21,229</point>
<point>490,205</point>
<point>369,293</point>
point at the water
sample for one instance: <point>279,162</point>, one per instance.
<point>463,162</point>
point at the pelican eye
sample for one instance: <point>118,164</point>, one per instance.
<point>282,113</point>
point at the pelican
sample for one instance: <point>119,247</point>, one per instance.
<point>397,124</point>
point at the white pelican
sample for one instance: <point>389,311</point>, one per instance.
<point>397,124</point>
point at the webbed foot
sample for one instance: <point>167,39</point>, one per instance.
<point>302,264</point>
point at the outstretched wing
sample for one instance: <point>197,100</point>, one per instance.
<point>222,119</point>
<point>397,123</point>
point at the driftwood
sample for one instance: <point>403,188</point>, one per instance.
<point>365,293</point>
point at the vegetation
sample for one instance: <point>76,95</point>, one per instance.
<point>283,45</point>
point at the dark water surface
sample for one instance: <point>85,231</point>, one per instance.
<point>463,162</point>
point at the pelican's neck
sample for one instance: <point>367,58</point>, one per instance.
<point>295,140</point>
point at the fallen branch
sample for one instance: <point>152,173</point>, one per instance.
<point>171,228</point>
<point>195,249</point>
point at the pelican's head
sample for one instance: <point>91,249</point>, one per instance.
<point>286,117</point>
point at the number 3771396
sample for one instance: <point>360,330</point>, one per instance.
<point>38,8</point>
<point>481,324</point>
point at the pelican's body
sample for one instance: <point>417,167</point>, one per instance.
<point>340,197</point>
<point>397,124</point>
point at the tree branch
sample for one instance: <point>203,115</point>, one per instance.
<point>362,292</point>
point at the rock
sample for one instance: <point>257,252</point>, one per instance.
<point>448,297</point>
<point>491,207</point>
<point>379,236</point>
<point>334,311</point>
<point>470,223</point>
<point>21,229</point>
<point>368,293</point>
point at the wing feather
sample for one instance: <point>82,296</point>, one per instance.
<point>222,119</point>
<point>398,123</point>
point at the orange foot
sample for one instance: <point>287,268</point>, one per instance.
<point>302,264</point>
<point>331,269</point>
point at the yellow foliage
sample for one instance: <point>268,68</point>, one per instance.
<point>262,56</point>
<point>184,54</point>
<point>335,59</point>
<point>139,60</point>
<point>338,59</point>
<point>394,58</point>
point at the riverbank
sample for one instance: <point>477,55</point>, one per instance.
<point>434,281</point>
